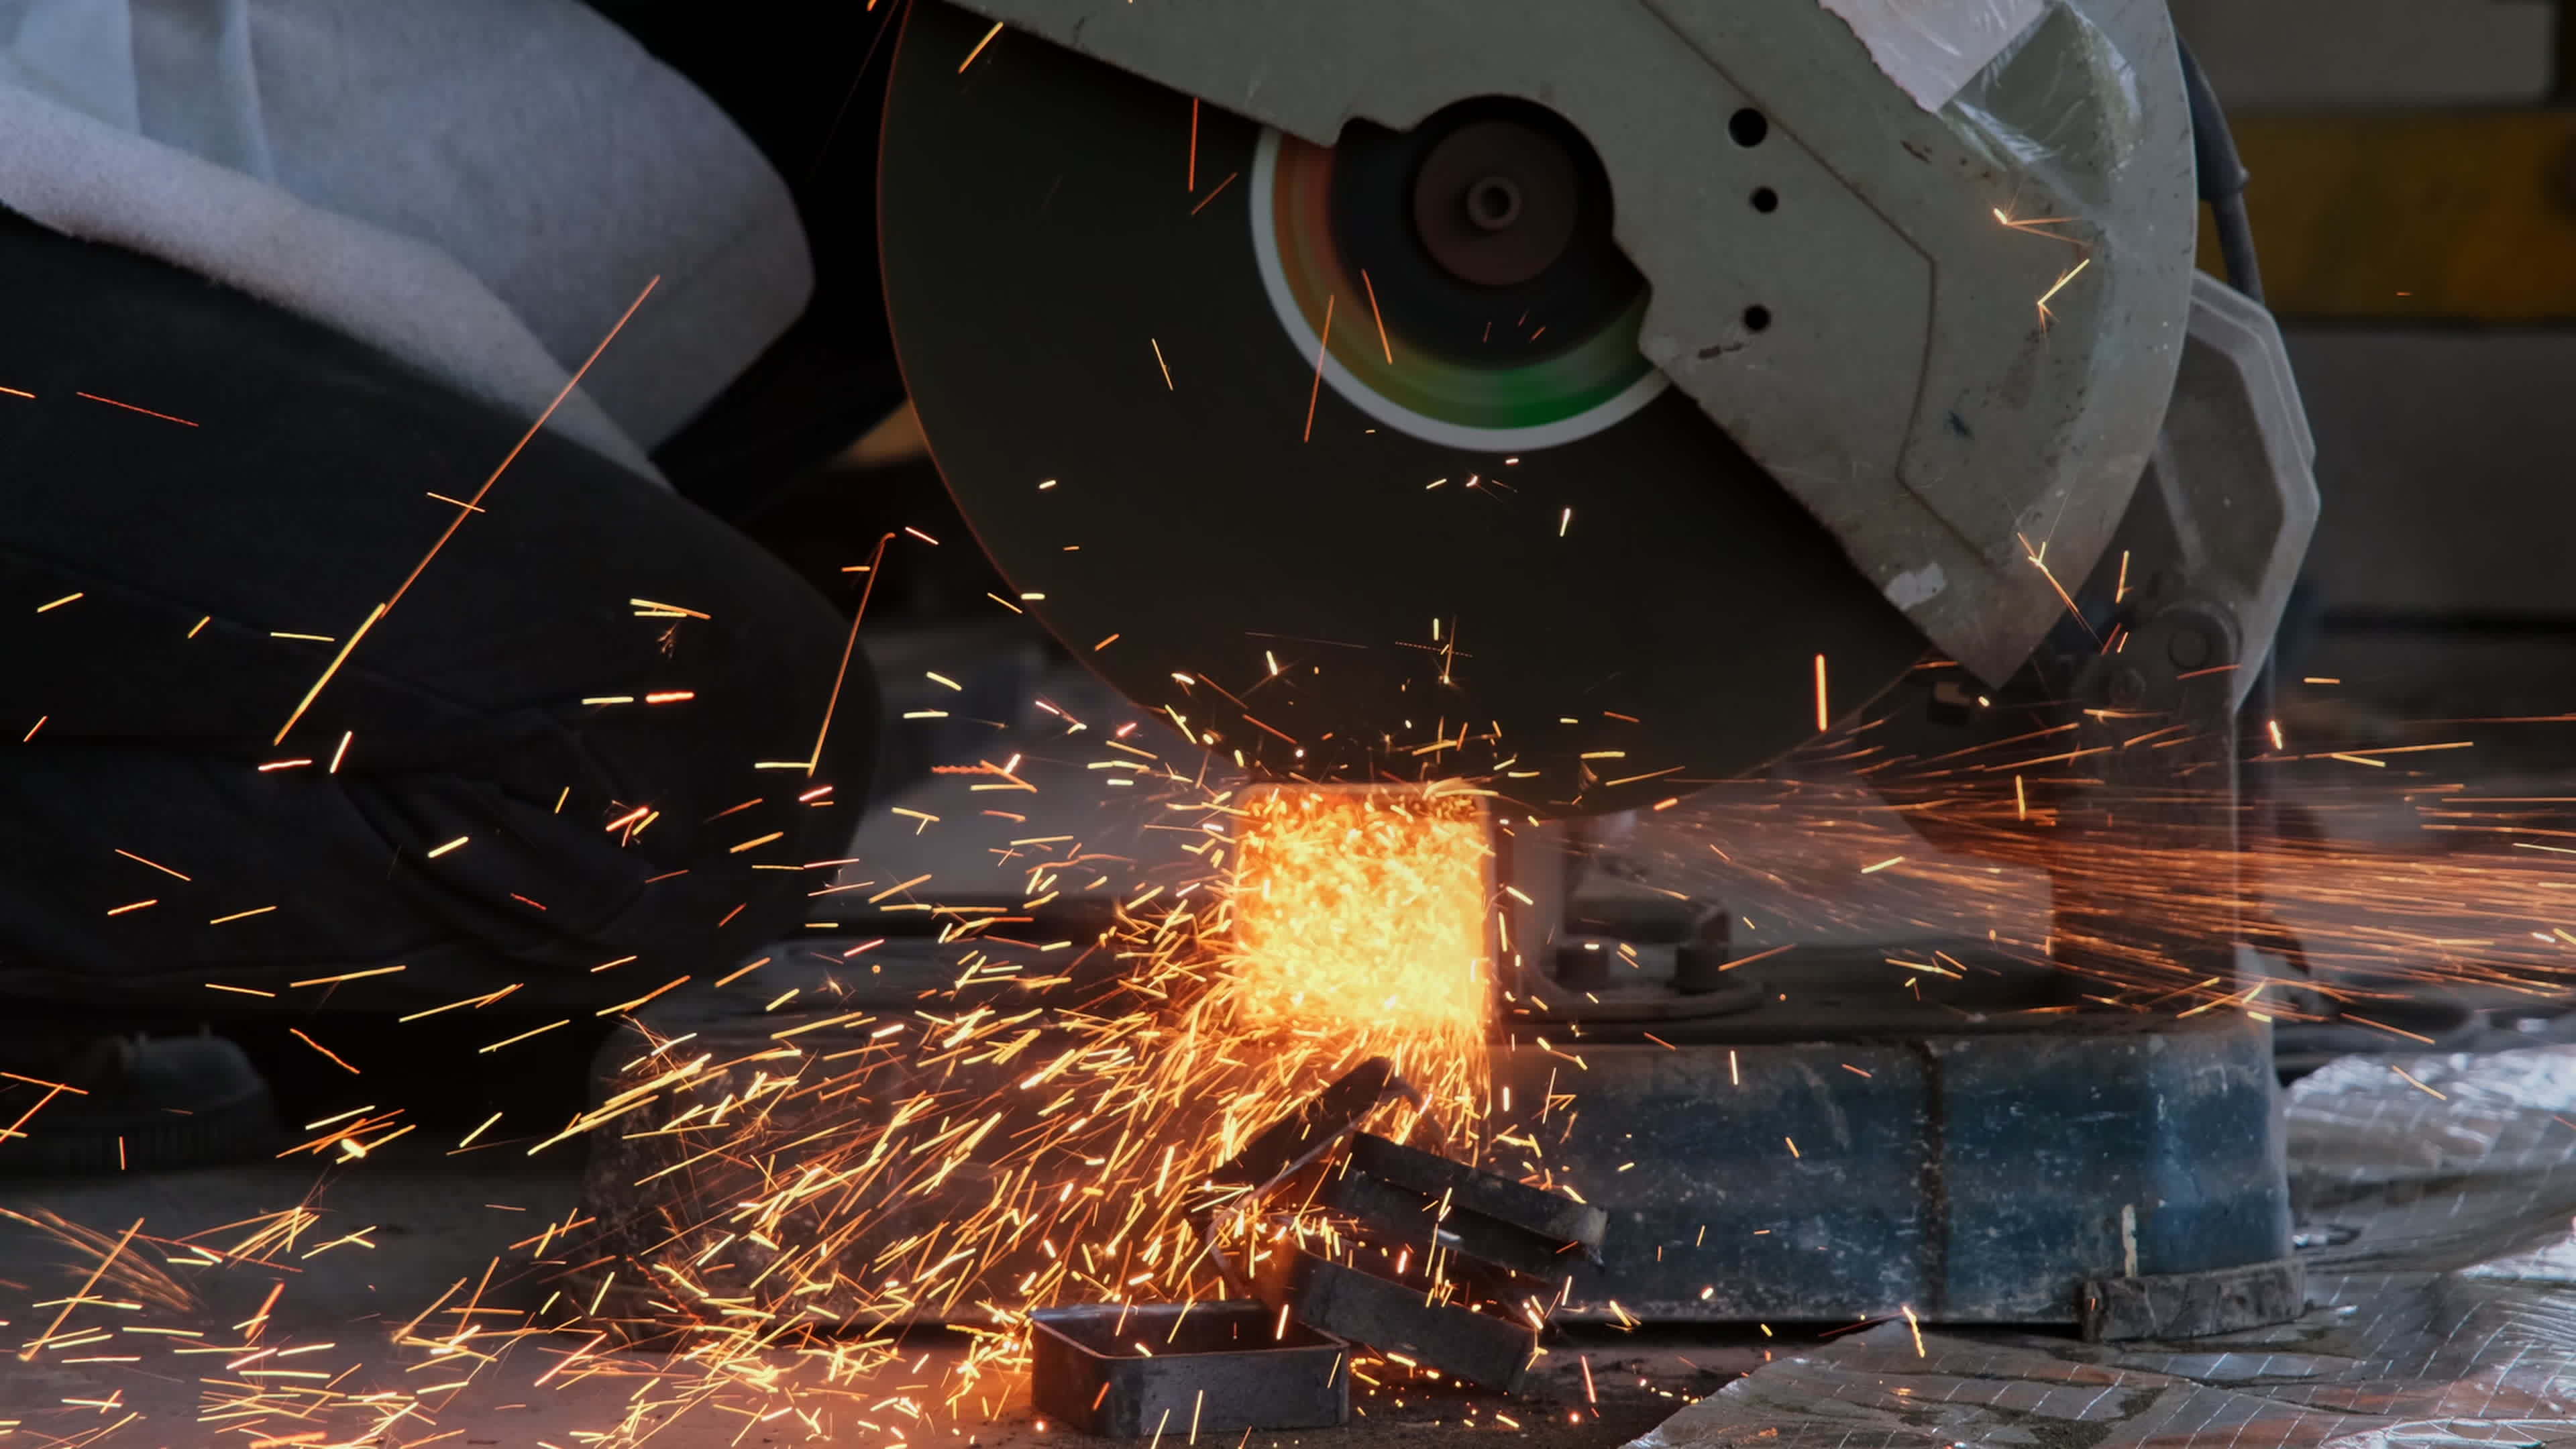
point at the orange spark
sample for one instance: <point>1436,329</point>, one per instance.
<point>299,1035</point>
<point>2044,314</point>
<point>28,1354</point>
<point>131,408</point>
<point>1214,193</point>
<point>350,976</point>
<point>473,504</point>
<point>2039,560</point>
<point>156,865</point>
<point>1316,393</point>
<point>979,47</point>
<point>1383,345</point>
<point>2419,1086</point>
<point>848,647</point>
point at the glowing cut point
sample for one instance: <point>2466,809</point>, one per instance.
<point>1366,909</point>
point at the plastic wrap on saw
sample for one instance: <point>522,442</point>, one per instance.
<point>1931,47</point>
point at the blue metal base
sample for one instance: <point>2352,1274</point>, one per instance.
<point>1969,1178</point>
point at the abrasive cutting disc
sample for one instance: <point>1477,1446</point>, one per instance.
<point>1345,456</point>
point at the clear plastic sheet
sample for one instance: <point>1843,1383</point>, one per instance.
<point>1931,48</point>
<point>2434,1198</point>
<point>2061,98</point>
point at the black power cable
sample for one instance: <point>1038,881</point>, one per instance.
<point>2222,177</point>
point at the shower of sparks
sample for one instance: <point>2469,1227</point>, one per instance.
<point>1041,1128</point>
<point>990,1158</point>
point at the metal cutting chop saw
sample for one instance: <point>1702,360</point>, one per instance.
<point>1578,397</point>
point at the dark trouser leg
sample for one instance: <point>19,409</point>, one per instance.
<point>297,503</point>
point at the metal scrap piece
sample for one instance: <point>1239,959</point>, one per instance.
<point>1203,1366</point>
<point>2192,1305</point>
<point>1534,1210</point>
<point>1295,1141</point>
<point>1401,1191</point>
<point>1402,1214</point>
<point>1291,1144</point>
<point>1394,1317</point>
